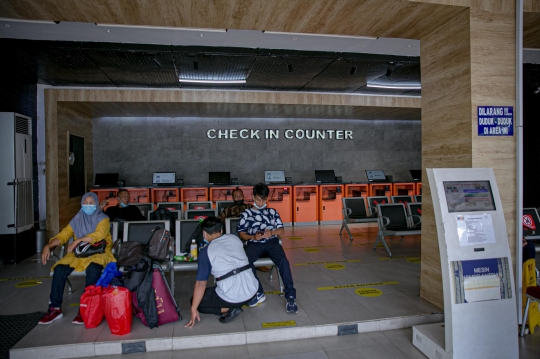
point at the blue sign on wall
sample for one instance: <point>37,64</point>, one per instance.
<point>495,121</point>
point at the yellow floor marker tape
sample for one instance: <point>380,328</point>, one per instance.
<point>27,284</point>
<point>312,250</point>
<point>295,238</point>
<point>75,305</point>
<point>330,262</point>
<point>334,266</point>
<point>414,260</point>
<point>368,292</point>
<point>397,257</point>
<point>355,285</point>
<point>288,323</point>
<point>23,278</point>
<point>274,292</point>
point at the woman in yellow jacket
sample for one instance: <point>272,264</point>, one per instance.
<point>89,225</point>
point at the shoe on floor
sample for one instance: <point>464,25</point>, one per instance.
<point>258,298</point>
<point>52,315</point>
<point>230,315</point>
<point>78,319</point>
<point>291,306</point>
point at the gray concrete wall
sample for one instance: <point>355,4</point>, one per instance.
<point>135,147</point>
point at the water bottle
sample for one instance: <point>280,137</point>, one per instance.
<point>193,249</point>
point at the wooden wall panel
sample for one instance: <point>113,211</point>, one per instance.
<point>531,30</point>
<point>80,125</point>
<point>446,129</point>
<point>388,18</point>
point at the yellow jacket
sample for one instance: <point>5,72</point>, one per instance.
<point>79,264</point>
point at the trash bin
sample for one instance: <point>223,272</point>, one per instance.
<point>40,240</point>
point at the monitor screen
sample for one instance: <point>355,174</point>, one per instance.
<point>274,176</point>
<point>416,175</point>
<point>375,175</point>
<point>106,180</point>
<point>219,178</point>
<point>468,196</point>
<point>322,176</point>
<point>160,178</point>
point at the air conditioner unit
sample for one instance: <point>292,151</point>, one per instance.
<point>16,200</point>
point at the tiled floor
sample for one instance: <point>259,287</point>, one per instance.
<point>309,250</point>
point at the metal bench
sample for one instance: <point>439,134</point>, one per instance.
<point>354,211</point>
<point>393,220</point>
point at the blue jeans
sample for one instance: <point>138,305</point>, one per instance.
<point>272,249</point>
<point>60,274</point>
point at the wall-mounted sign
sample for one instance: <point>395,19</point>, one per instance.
<point>495,121</point>
<point>298,134</point>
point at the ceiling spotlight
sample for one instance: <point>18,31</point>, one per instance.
<point>537,91</point>
<point>195,65</point>
<point>289,66</point>
<point>353,70</point>
<point>156,61</point>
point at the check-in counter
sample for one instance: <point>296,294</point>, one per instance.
<point>223,193</point>
<point>404,189</point>
<point>110,194</point>
<point>305,205</point>
<point>330,204</point>
<point>356,190</point>
<point>380,189</point>
<point>280,199</point>
<point>194,194</point>
<point>165,194</point>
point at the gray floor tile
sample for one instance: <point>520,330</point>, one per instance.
<point>311,355</point>
<point>232,352</point>
<point>282,348</point>
<point>354,340</point>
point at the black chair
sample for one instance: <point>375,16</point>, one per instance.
<point>221,205</point>
<point>145,208</point>
<point>374,201</point>
<point>402,199</point>
<point>199,205</point>
<point>171,206</point>
<point>200,213</point>
<point>418,198</point>
<point>415,214</point>
<point>354,211</point>
<point>231,226</point>
<point>393,221</point>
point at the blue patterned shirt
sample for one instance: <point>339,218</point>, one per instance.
<point>253,220</point>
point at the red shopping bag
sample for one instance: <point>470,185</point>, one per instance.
<point>117,310</point>
<point>91,307</point>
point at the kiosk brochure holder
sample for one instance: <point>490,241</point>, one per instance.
<point>477,277</point>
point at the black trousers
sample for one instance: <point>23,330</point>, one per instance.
<point>529,251</point>
<point>212,303</point>
<point>60,274</point>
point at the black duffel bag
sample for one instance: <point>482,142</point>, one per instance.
<point>128,253</point>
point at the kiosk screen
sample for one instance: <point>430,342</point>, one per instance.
<point>469,196</point>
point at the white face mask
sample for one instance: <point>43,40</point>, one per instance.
<point>261,207</point>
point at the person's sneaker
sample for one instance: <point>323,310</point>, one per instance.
<point>258,298</point>
<point>291,306</point>
<point>52,315</point>
<point>230,315</point>
<point>78,319</point>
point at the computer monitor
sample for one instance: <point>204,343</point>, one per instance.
<point>215,178</point>
<point>468,196</point>
<point>375,175</point>
<point>164,179</point>
<point>274,177</point>
<point>416,175</point>
<point>106,180</point>
<point>325,176</point>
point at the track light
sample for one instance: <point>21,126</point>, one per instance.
<point>537,91</point>
<point>156,61</point>
<point>353,70</point>
<point>289,66</point>
<point>195,65</point>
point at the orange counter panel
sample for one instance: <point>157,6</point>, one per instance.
<point>375,187</point>
<point>281,202</point>
<point>357,190</point>
<point>404,189</point>
<point>139,195</point>
<point>109,194</point>
<point>305,204</point>
<point>194,194</point>
<point>221,193</point>
<point>329,203</point>
<point>164,195</point>
<point>418,188</point>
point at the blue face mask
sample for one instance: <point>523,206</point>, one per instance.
<point>123,205</point>
<point>89,208</point>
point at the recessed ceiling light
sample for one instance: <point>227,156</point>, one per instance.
<point>295,38</point>
<point>6,25</point>
<point>533,54</point>
<point>107,30</point>
<point>409,45</point>
<point>201,35</point>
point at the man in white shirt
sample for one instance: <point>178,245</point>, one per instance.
<point>225,258</point>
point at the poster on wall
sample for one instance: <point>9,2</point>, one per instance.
<point>481,280</point>
<point>495,121</point>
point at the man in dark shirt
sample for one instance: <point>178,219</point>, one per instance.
<point>238,207</point>
<point>123,210</point>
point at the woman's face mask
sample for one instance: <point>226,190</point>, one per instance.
<point>89,209</point>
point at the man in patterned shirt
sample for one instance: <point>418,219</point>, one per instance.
<point>237,209</point>
<point>261,227</point>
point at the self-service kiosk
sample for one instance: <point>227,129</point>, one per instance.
<point>477,277</point>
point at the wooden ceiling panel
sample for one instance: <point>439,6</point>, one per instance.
<point>239,110</point>
<point>383,18</point>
